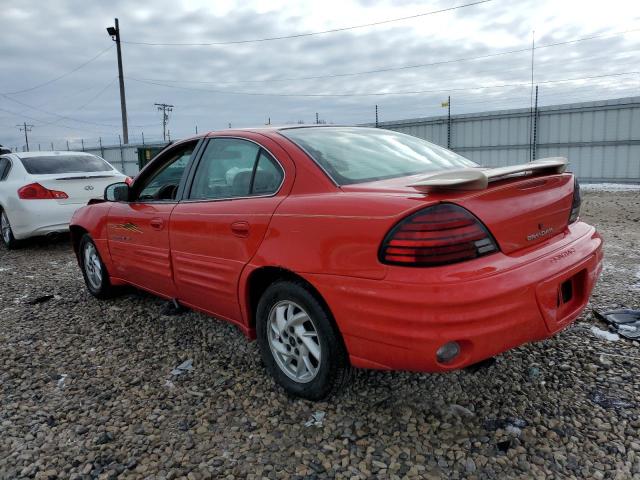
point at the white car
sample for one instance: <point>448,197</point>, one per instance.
<point>40,191</point>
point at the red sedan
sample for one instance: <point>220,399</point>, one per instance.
<point>341,247</point>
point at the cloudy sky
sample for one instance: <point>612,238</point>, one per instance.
<point>340,75</point>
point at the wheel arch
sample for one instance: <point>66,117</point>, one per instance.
<point>261,278</point>
<point>77,232</point>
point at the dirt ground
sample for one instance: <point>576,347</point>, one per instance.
<point>86,391</point>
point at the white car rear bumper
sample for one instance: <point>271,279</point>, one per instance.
<point>31,218</point>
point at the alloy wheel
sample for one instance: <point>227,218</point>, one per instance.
<point>92,265</point>
<point>294,341</point>
<point>5,227</point>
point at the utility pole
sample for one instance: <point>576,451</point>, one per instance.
<point>535,128</point>
<point>533,49</point>
<point>449,122</point>
<point>165,108</point>
<point>376,116</point>
<point>26,129</point>
<point>115,36</point>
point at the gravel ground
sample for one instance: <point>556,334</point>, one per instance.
<point>86,391</point>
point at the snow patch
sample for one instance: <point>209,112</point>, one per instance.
<point>609,187</point>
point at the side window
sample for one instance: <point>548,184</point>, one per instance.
<point>225,169</point>
<point>231,168</point>
<point>268,176</point>
<point>163,183</point>
<point>5,166</point>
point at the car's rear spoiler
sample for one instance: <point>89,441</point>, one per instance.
<point>479,179</point>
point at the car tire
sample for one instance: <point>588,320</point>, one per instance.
<point>299,342</point>
<point>6,232</point>
<point>93,269</point>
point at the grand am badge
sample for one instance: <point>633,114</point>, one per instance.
<point>542,232</point>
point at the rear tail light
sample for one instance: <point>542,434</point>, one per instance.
<point>577,201</point>
<point>35,191</point>
<point>438,235</point>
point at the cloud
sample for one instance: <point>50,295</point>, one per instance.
<point>42,40</point>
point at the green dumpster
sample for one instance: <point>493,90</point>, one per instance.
<point>146,154</point>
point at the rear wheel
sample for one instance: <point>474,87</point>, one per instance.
<point>95,273</point>
<point>8,239</point>
<point>299,343</point>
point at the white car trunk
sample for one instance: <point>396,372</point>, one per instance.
<point>79,187</point>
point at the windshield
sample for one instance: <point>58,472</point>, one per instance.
<point>357,154</point>
<point>65,164</point>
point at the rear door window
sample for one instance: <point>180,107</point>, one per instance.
<point>233,168</point>
<point>5,166</point>
<point>53,164</point>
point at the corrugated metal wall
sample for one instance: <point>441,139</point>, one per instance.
<point>600,139</point>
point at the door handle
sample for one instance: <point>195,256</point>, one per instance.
<point>157,223</point>
<point>240,229</point>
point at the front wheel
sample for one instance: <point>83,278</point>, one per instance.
<point>299,343</point>
<point>94,272</point>
<point>6,232</point>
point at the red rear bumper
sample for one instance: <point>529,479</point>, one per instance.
<point>488,305</point>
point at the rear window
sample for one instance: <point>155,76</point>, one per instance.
<point>65,164</point>
<point>358,154</point>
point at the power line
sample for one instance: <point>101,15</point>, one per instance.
<point>64,117</point>
<point>60,76</point>
<point>308,34</point>
<point>402,67</point>
<point>381,94</point>
<point>102,90</point>
<point>42,123</point>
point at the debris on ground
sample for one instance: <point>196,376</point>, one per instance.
<point>608,401</point>
<point>604,334</point>
<point>184,367</point>
<point>172,308</point>
<point>460,411</point>
<point>512,425</point>
<point>61,380</point>
<point>504,446</point>
<point>40,299</point>
<point>316,419</point>
<point>533,373</point>
<point>625,321</point>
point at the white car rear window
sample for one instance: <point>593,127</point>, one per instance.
<point>65,164</point>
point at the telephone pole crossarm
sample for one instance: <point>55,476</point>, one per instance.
<point>165,108</point>
<point>26,128</point>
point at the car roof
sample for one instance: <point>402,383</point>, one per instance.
<point>271,129</point>
<point>49,153</point>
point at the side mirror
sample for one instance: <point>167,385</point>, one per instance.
<point>117,192</point>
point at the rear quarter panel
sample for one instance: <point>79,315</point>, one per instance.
<point>332,233</point>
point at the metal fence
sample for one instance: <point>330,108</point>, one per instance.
<point>601,139</point>
<point>124,158</point>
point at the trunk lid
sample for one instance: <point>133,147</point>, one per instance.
<point>80,187</point>
<point>520,211</point>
